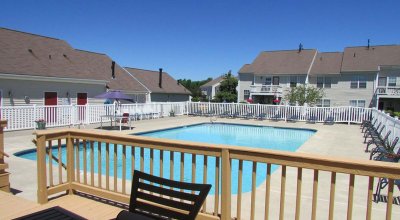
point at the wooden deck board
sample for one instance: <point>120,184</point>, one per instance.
<point>13,206</point>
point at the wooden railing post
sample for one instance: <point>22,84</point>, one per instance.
<point>226,185</point>
<point>3,124</point>
<point>70,164</point>
<point>41,169</point>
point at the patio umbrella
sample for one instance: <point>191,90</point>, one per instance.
<point>118,95</point>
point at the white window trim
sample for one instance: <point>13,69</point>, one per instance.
<point>322,103</point>
<point>298,78</point>
<point>357,102</point>
<point>324,81</point>
<point>388,81</point>
<point>358,82</point>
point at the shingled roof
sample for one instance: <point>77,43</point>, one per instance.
<point>369,59</point>
<point>213,82</point>
<point>328,63</point>
<point>283,62</point>
<point>34,55</point>
<point>100,64</point>
<point>246,68</point>
<point>150,79</point>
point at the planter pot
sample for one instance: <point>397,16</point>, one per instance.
<point>40,125</point>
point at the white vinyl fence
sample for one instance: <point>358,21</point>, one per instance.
<point>24,117</point>
<point>389,123</point>
<point>281,112</point>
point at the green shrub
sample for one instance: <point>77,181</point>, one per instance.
<point>396,114</point>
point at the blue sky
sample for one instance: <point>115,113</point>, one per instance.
<point>197,39</point>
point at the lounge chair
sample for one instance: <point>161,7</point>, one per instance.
<point>249,115</point>
<point>198,113</point>
<point>374,133</point>
<point>329,120</point>
<point>235,115</point>
<point>366,123</point>
<point>210,113</point>
<point>125,120</point>
<point>158,198</point>
<point>262,116</point>
<point>226,114</point>
<point>312,119</point>
<point>378,141</point>
<point>382,183</point>
<point>368,126</point>
<point>384,150</point>
<point>293,118</point>
<point>276,117</point>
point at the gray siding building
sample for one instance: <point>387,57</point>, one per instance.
<point>366,76</point>
<point>41,70</point>
<point>162,87</point>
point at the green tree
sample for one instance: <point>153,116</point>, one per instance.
<point>304,94</point>
<point>194,87</point>
<point>227,89</point>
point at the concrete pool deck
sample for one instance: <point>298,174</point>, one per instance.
<point>339,140</point>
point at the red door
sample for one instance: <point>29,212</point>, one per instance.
<point>50,99</point>
<point>81,101</point>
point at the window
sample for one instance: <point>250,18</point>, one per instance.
<point>246,94</point>
<point>323,82</point>
<point>293,81</point>
<point>359,82</point>
<point>362,82</point>
<point>392,81</point>
<point>354,82</point>
<point>323,103</point>
<point>357,103</point>
<point>320,82</point>
<point>268,81</point>
<point>327,82</point>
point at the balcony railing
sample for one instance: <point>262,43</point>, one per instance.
<point>91,167</point>
<point>268,89</point>
<point>391,91</point>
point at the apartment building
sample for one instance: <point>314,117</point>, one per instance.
<point>365,76</point>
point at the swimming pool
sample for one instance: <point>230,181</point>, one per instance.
<point>264,137</point>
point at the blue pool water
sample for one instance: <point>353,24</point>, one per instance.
<point>232,134</point>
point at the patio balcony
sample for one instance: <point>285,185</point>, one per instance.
<point>266,89</point>
<point>388,91</point>
<point>293,185</point>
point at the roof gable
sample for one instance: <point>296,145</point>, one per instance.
<point>214,81</point>
<point>151,80</point>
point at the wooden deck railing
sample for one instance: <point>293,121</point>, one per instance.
<point>4,175</point>
<point>302,184</point>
